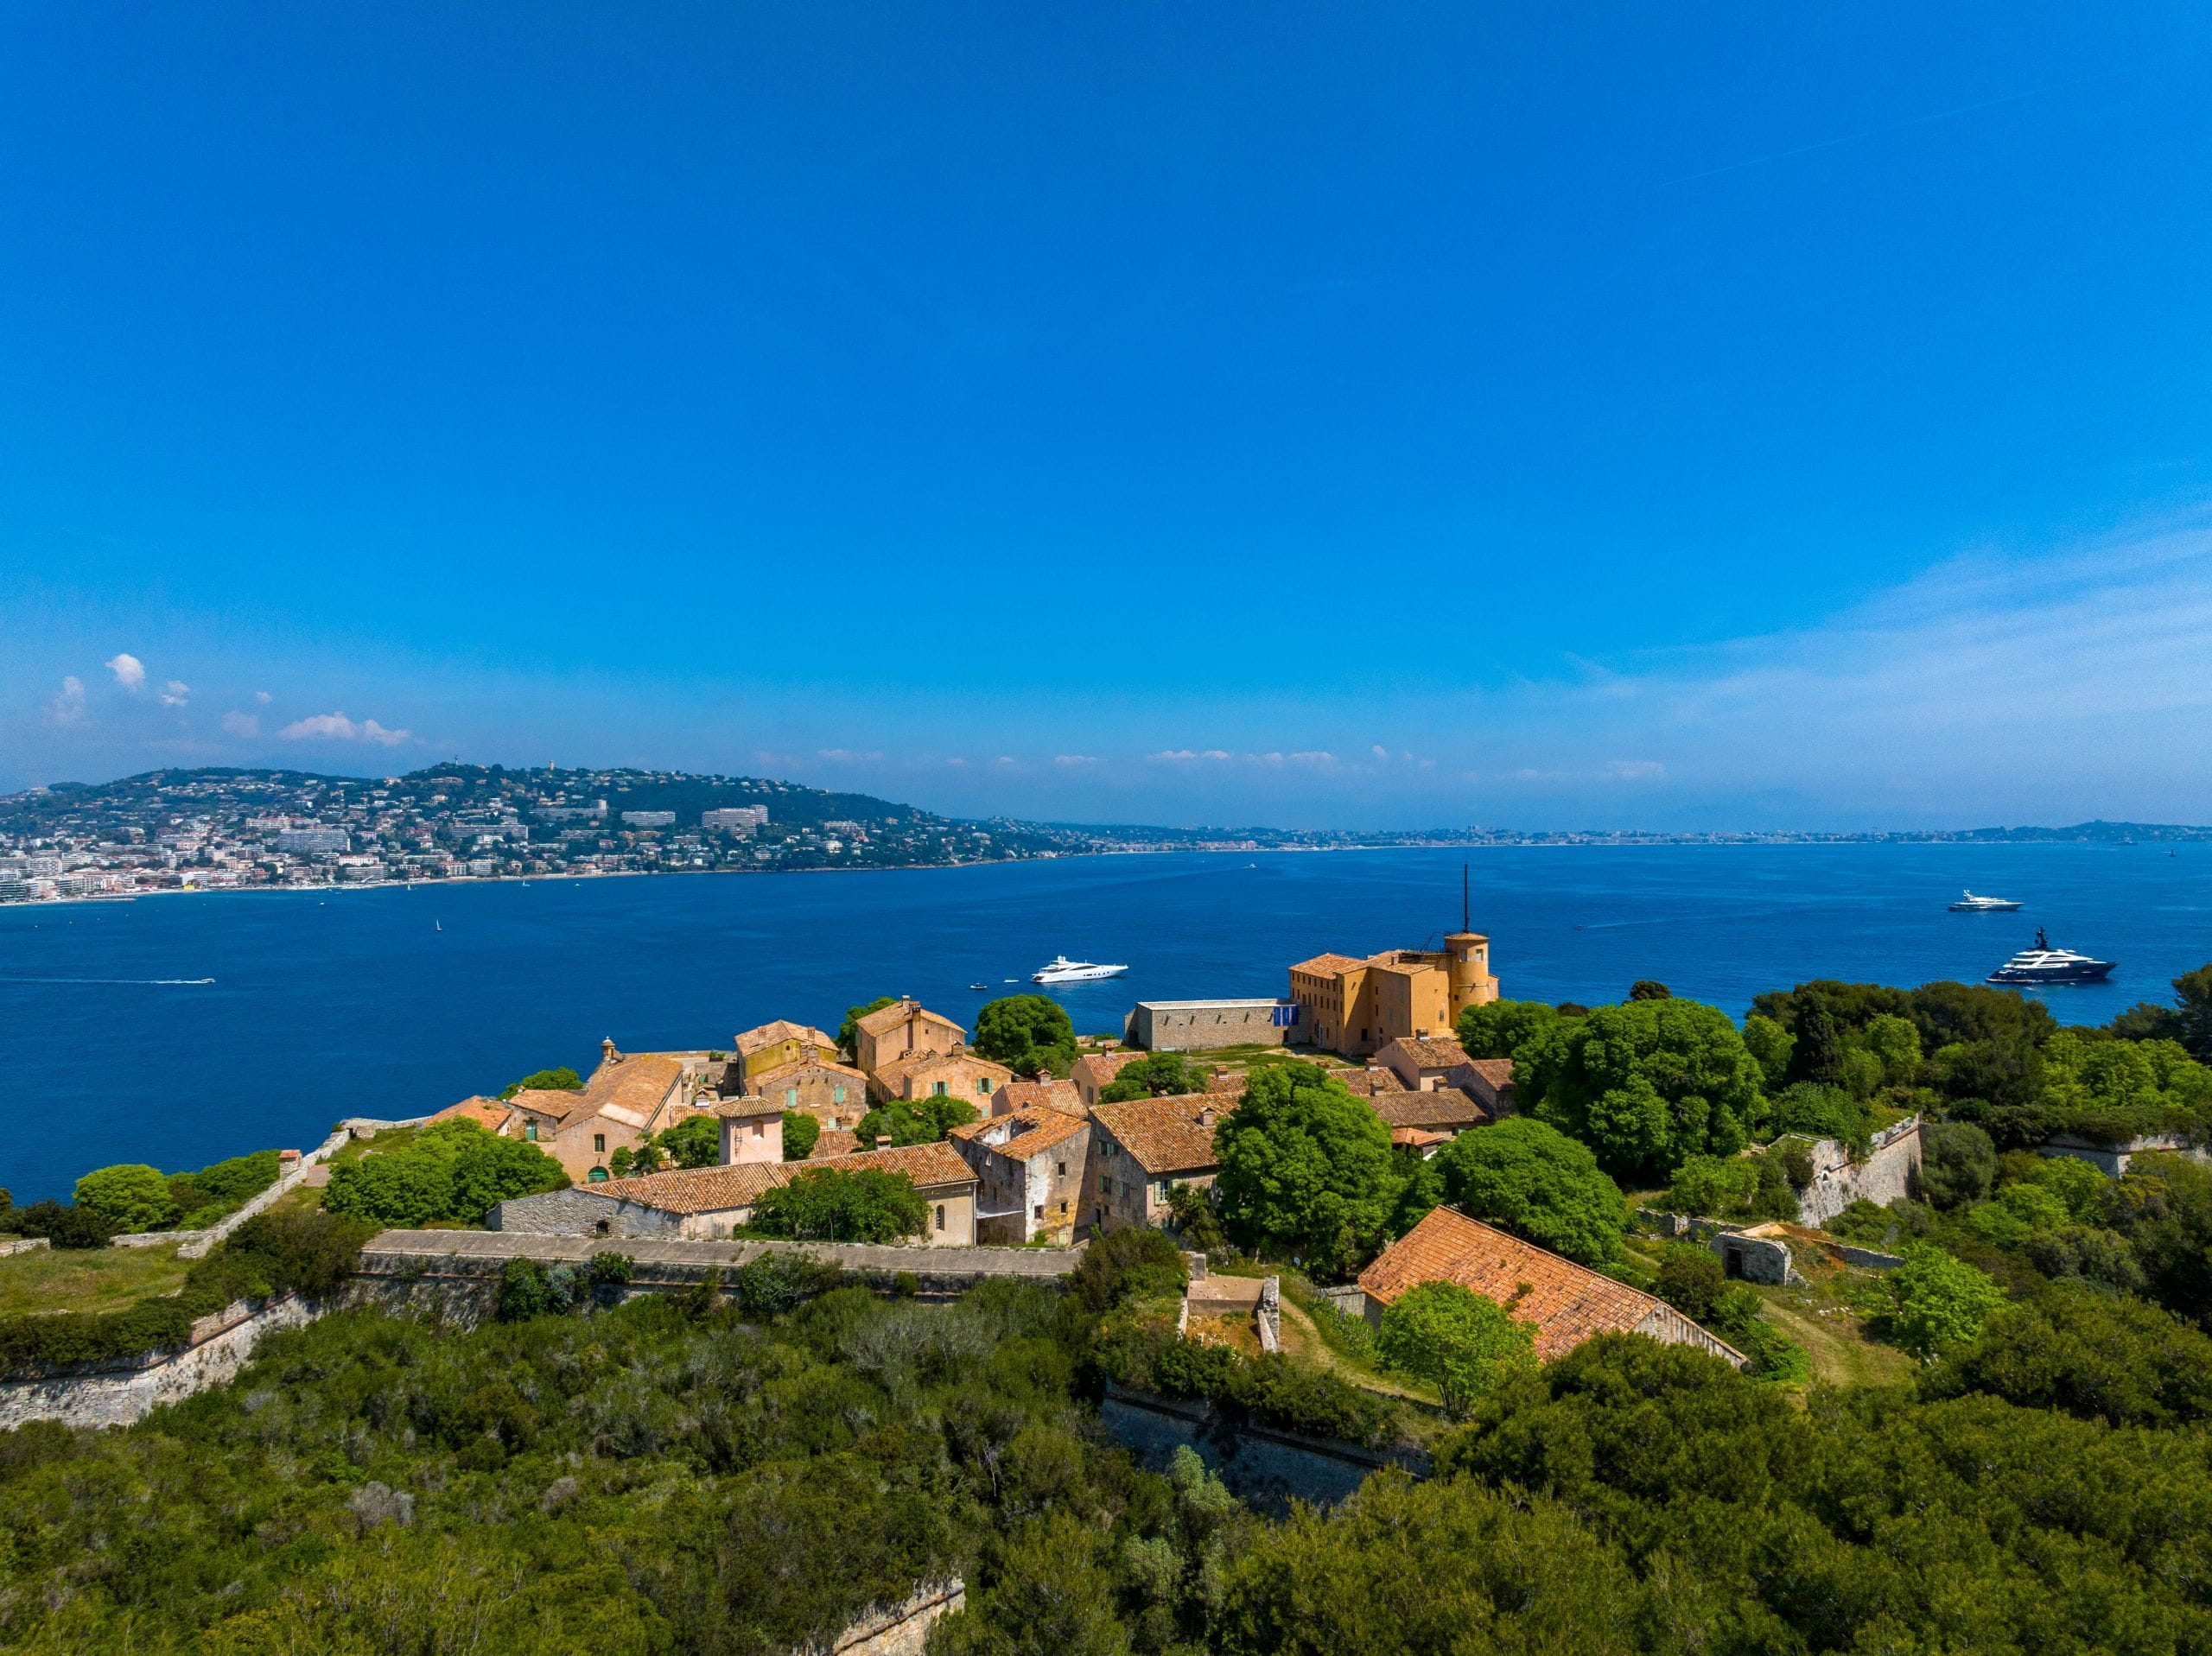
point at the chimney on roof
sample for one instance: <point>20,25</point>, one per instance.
<point>1222,1077</point>
<point>608,1052</point>
<point>882,1141</point>
<point>1206,1116</point>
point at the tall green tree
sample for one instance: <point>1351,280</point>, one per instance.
<point>1462,1343</point>
<point>1305,1169</point>
<point>866,1204</point>
<point>801,1133</point>
<point>1031,1035</point>
<point>1509,1029</point>
<point>1533,1180</point>
<point>1650,1084</point>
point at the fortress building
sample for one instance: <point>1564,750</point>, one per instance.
<point>1360,1006</point>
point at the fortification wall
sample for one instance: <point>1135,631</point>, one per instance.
<point>1268,1469</point>
<point>115,1394</point>
<point>1888,1172</point>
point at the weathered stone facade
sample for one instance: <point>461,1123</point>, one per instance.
<point>2112,1160</point>
<point>1197,1026</point>
<point>116,1394</point>
<point>1888,1172</point>
<point>582,1211</point>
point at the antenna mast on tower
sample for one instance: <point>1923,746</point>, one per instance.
<point>1466,915</point>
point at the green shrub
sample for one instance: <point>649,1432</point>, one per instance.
<point>563,1080</point>
<point>801,1133</point>
<point>610,1269</point>
<point>452,1170</point>
<point>1938,1303</point>
<point>130,1197</point>
<point>1462,1343</point>
<point>1135,1263</point>
<point>63,1224</point>
<point>1692,1280</point>
<point>525,1292</point>
<point>829,1205</point>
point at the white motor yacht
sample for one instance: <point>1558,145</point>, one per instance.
<point>1064,970</point>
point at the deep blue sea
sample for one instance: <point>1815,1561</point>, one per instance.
<point>345,1003</point>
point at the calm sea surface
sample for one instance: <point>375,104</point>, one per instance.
<point>358,1003</point>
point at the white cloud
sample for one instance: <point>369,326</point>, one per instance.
<point>1183,756</point>
<point>846,756</point>
<point>1381,754</point>
<point>241,724</point>
<point>1315,757</point>
<point>264,697</point>
<point>1638,770</point>
<point>129,672</point>
<point>175,693</point>
<point>1003,758</point>
<point>68,707</point>
<point>1075,759</point>
<point>337,727</point>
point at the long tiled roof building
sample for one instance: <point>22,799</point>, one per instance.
<point>1568,1303</point>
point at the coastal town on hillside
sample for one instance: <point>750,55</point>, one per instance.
<point>216,829</point>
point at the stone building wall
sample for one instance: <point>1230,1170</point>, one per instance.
<point>1888,1172</point>
<point>1196,1025</point>
<point>579,1211</point>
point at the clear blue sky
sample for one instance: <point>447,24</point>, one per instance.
<point>1372,415</point>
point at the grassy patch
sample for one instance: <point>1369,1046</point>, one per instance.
<point>87,1278</point>
<point>1834,1335</point>
<point>391,1139</point>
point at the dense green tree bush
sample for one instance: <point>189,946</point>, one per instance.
<point>560,1080</point>
<point>1134,1263</point>
<point>914,1121</point>
<point>2164,1210</point>
<point>1737,1187</point>
<point>1938,1301</point>
<point>1462,1343</point>
<point>1819,1110</point>
<point>130,1197</point>
<point>1305,1169</point>
<point>451,1169</point>
<point>1537,1183</point>
<point>1161,1075</point>
<point>63,1224</point>
<point>1031,1035</point>
<point>1511,1028</point>
<point>1959,1163</point>
<point>802,1132</point>
<point>828,1205</point>
<point>2098,1355</point>
<point>1692,1280</point>
<point>1649,1084</point>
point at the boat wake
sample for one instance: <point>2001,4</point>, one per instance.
<point>133,981</point>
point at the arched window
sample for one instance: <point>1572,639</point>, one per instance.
<point>597,1175</point>
<point>940,1215</point>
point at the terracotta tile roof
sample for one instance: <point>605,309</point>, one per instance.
<point>1498,1072</point>
<point>490,1113</point>
<point>544,1101</point>
<point>784,1074</point>
<point>698,1190</point>
<point>636,1081</point>
<point>898,1011</point>
<point>1568,1303</point>
<point>1327,965</point>
<point>717,1190</point>
<point>1028,1132</point>
<point>928,1166</point>
<point>833,1141</point>
<point>1164,1135</point>
<point>1019,1096</point>
<point>1446,1106</point>
<point>745,1109</point>
<point>1415,1139</point>
<point>1434,1052</point>
<point>1099,1067</point>
<point>769,1034</point>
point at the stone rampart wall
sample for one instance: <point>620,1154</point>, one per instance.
<point>1268,1469</point>
<point>902,1629</point>
<point>1888,1172</point>
<point>116,1394</point>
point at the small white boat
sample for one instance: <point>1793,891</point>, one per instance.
<point>1064,970</point>
<point>1969,904</point>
